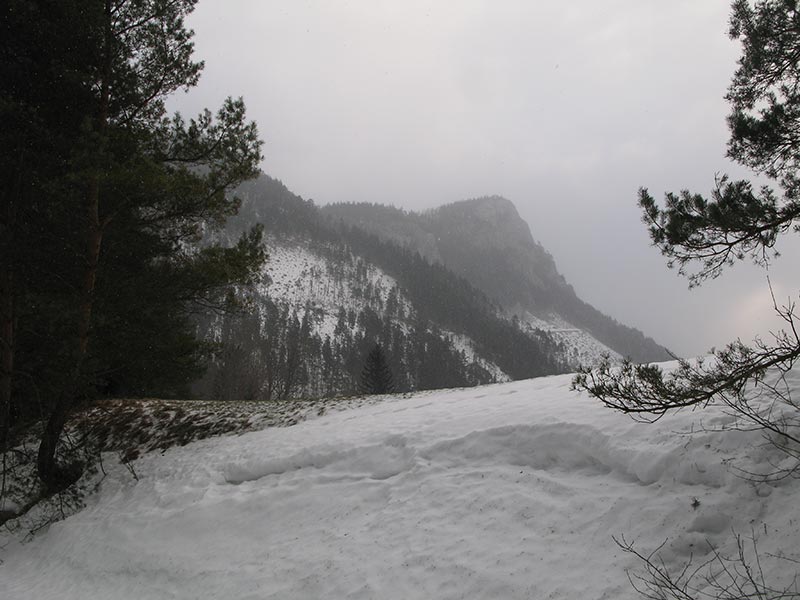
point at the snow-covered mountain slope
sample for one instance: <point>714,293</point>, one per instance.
<point>485,241</point>
<point>302,277</point>
<point>463,265</point>
<point>299,276</point>
<point>580,347</point>
<point>321,308</point>
<point>504,491</point>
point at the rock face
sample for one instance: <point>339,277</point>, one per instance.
<point>485,241</point>
<point>488,243</point>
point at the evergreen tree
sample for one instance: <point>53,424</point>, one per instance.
<point>735,223</point>
<point>103,268</point>
<point>376,377</point>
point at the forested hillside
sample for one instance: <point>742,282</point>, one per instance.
<point>335,291</point>
<point>485,241</point>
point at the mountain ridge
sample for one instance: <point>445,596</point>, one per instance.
<point>331,291</point>
<point>459,295</point>
<point>486,241</point>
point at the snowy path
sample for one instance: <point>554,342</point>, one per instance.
<point>505,491</point>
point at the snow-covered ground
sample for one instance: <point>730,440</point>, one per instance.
<point>505,491</point>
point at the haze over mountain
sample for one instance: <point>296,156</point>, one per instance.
<point>558,106</point>
<point>485,241</point>
<point>458,296</point>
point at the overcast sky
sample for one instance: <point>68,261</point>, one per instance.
<point>565,108</point>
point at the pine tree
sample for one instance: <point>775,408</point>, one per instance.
<point>751,382</point>
<point>737,222</point>
<point>102,268</point>
<point>376,377</point>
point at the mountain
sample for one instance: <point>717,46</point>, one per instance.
<point>485,241</point>
<point>340,279</point>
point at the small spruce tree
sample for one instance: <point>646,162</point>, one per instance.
<point>376,377</point>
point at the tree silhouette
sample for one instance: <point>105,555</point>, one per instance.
<point>101,268</point>
<point>737,222</point>
<point>376,377</point>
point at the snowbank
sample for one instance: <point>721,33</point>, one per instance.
<point>505,491</point>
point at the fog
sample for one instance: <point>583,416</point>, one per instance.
<point>564,108</point>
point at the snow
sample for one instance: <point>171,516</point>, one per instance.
<point>464,344</point>
<point>581,347</point>
<point>505,491</point>
<point>298,275</point>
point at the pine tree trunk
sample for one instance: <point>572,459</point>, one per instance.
<point>50,474</point>
<point>8,307</point>
<point>54,477</point>
<point>6,351</point>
